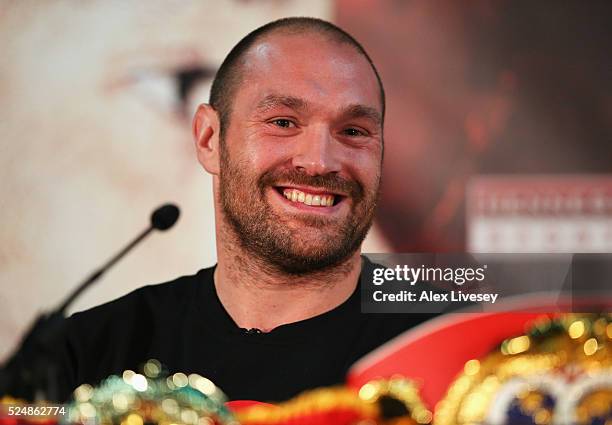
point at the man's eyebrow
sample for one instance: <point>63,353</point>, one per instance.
<point>298,104</point>
<point>273,100</point>
<point>363,111</point>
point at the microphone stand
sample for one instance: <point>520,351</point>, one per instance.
<point>33,371</point>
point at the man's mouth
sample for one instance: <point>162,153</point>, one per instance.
<point>311,199</point>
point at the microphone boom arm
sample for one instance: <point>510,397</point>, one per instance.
<point>98,273</point>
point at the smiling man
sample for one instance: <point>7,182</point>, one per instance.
<point>293,137</point>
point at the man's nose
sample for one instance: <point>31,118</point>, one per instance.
<point>316,154</point>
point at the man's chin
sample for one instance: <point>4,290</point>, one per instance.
<point>298,264</point>
<point>302,258</point>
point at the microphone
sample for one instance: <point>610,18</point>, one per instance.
<point>33,372</point>
<point>165,216</point>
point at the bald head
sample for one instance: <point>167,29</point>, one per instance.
<point>231,73</point>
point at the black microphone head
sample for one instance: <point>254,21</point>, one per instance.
<point>165,216</point>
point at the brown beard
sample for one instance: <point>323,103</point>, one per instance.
<point>264,234</point>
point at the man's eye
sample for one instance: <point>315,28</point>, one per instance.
<point>354,132</point>
<point>283,123</point>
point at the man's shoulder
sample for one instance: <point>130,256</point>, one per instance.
<point>168,296</point>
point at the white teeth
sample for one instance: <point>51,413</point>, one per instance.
<point>295,195</point>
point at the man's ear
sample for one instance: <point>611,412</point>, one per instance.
<point>206,127</point>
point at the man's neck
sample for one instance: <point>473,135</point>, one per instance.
<point>257,297</point>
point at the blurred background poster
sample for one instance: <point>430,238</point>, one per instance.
<point>478,89</point>
<point>497,112</point>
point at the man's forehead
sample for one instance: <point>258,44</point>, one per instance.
<point>285,47</point>
<point>287,62</point>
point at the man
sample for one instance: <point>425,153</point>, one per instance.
<point>293,137</point>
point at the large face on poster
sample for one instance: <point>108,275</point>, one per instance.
<point>96,105</point>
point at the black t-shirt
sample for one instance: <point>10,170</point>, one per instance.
<point>184,325</point>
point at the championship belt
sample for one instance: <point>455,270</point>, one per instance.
<point>559,372</point>
<point>505,368</point>
<point>151,397</point>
